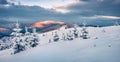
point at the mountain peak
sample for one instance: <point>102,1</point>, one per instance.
<point>3,29</point>
<point>44,24</point>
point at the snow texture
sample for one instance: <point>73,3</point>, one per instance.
<point>102,45</point>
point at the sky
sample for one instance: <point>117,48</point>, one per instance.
<point>103,12</point>
<point>48,4</point>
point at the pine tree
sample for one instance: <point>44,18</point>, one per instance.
<point>69,36</point>
<point>55,37</point>
<point>18,48</point>
<point>63,36</point>
<point>116,23</point>
<point>75,32</point>
<point>18,45</point>
<point>5,43</point>
<point>84,33</point>
<point>34,42</point>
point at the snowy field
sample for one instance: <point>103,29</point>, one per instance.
<point>102,46</point>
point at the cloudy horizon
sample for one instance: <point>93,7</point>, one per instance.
<point>101,12</point>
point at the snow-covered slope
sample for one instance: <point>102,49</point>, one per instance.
<point>103,45</point>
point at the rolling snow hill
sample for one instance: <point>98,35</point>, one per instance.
<point>103,45</point>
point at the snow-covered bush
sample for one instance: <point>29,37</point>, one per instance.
<point>34,42</point>
<point>5,43</point>
<point>18,48</point>
<point>24,42</point>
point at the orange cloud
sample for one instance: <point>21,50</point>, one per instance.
<point>42,24</point>
<point>60,6</point>
<point>3,29</point>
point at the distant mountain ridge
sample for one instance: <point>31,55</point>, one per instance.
<point>43,26</point>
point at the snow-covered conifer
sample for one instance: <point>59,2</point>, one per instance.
<point>69,36</point>
<point>116,23</point>
<point>55,37</point>
<point>84,31</point>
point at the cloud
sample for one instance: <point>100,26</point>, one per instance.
<point>109,17</point>
<point>103,17</point>
<point>47,4</point>
<point>82,10</point>
<point>27,14</point>
<point>63,7</point>
<point>12,19</point>
<point>116,2</point>
<point>96,7</point>
<point>3,2</point>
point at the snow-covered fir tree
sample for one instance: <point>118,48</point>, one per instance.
<point>23,41</point>
<point>26,31</point>
<point>84,31</point>
<point>5,43</point>
<point>55,37</point>
<point>34,39</point>
<point>63,36</point>
<point>18,43</point>
<point>84,34</point>
<point>69,35</point>
<point>75,31</point>
<point>16,30</point>
<point>116,23</point>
